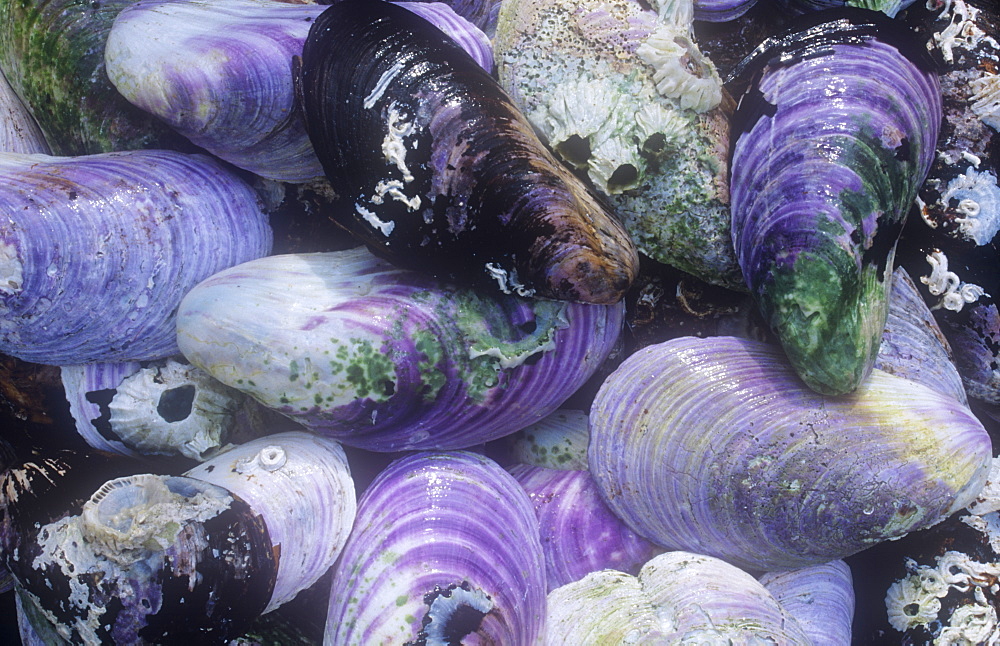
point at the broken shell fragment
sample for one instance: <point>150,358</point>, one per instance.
<point>445,549</point>
<point>714,446</point>
<point>388,359</point>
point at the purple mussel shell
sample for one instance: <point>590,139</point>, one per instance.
<point>721,10</point>
<point>714,446</point>
<point>819,597</point>
<point>444,549</point>
<point>220,73</point>
<point>579,533</point>
<point>677,598</point>
<point>441,172</point>
<point>97,251</point>
<point>388,359</point>
<point>830,145</point>
<point>300,484</point>
<point>888,7</point>
<point>913,346</point>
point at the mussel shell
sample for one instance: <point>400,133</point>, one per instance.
<point>820,598</point>
<point>388,359</point>
<point>97,251</point>
<point>441,170</point>
<point>713,446</point>
<point>173,559</point>
<point>579,533</point>
<point>445,549</point>
<point>830,144</point>
<point>301,486</point>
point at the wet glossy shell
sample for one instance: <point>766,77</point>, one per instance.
<point>97,251</point>
<point>579,533</point>
<point>301,486</point>
<point>220,73</point>
<point>819,597</point>
<point>830,144</point>
<point>439,171</point>
<point>714,446</point>
<point>388,359</point>
<point>445,549</point>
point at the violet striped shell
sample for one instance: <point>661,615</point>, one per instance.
<point>388,359</point>
<point>713,446</point>
<point>721,10</point>
<point>97,251</point>
<point>220,73</point>
<point>830,144</point>
<point>819,597</point>
<point>300,485</point>
<point>579,533</point>
<point>445,549</point>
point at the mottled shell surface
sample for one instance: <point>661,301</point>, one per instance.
<point>677,598</point>
<point>714,446</point>
<point>220,73</point>
<point>301,486</point>
<point>445,549</point>
<point>441,172</point>
<point>151,559</point>
<point>579,533</point>
<point>97,251</point>
<point>830,144</point>
<point>52,53</point>
<point>621,91</point>
<point>558,442</point>
<point>19,132</point>
<point>389,359</point>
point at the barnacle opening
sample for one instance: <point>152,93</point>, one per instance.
<point>574,150</point>
<point>452,613</point>
<point>130,516</point>
<point>175,404</point>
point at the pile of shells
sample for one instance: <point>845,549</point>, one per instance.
<point>499,321</point>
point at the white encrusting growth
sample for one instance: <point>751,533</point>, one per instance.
<point>11,269</point>
<point>380,86</point>
<point>671,54</point>
<point>393,146</point>
<point>372,219</point>
<point>507,280</point>
<point>978,201</point>
<point>394,189</point>
<point>962,31</point>
<point>953,292</point>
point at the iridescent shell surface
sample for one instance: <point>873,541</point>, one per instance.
<point>388,359</point>
<point>220,73</point>
<point>440,171</point>
<point>97,251</point>
<point>819,597</point>
<point>714,446</point>
<point>830,144</point>
<point>677,598</point>
<point>300,484</point>
<point>445,549</point>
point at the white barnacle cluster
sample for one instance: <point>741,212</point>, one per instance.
<point>944,283</point>
<point>915,600</point>
<point>978,202</point>
<point>680,71</point>
<point>961,31</point>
